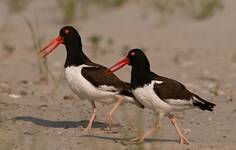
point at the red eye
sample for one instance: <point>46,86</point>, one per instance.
<point>132,53</point>
<point>66,31</point>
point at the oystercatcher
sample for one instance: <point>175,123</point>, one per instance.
<point>160,94</point>
<point>88,79</point>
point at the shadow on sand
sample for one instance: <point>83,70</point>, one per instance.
<point>149,140</point>
<point>60,124</point>
<point>82,123</point>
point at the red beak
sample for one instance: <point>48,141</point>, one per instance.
<point>117,66</point>
<point>49,48</point>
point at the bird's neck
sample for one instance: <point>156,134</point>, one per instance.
<point>75,56</point>
<point>140,76</point>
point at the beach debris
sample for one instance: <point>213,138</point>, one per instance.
<point>68,97</point>
<point>187,131</point>
<point>24,82</point>
<point>209,118</point>
<point>23,93</point>
<point>15,96</point>
<point>229,98</point>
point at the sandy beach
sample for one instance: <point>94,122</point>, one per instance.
<point>38,115</point>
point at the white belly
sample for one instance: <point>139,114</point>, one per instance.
<point>179,104</point>
<point>149,99</point>
<point>84,89</point>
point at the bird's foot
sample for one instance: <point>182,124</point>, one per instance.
<point>88,128</point>
<point>184,140</point>
<point>138,139</point>
<point>133,128</point>
<point>110,121</point>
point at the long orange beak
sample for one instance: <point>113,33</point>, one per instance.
<point>51,46</point>
<point>117,66</point>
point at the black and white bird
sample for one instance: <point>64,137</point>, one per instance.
<point>87,79</point>
<point>160,94</point>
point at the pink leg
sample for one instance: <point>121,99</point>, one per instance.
<point>120,99</point>
<point>183,139</point>
<point>140,139</point>
<point>155,128</point>
<point>92,117</point>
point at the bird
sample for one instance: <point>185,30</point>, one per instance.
<point>162,95</point>
<point>87,79</point>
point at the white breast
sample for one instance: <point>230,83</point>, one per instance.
<point>84,89</point>
<point>147,96</point>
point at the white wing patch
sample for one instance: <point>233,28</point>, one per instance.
<point>108,88</point>
<point>178,102</point>
<point>157,82</point>
<point>196,99</point>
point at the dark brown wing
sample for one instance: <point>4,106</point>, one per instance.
<point>96,76</point>
<point>171,89</point>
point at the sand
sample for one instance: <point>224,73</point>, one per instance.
<point>198,53</point>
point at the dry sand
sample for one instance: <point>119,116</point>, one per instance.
<point>200,54</point>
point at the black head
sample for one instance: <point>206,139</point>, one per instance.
<point>137,58</point>
<point>70,36</point>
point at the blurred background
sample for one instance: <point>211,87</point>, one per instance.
<point>192,41</point>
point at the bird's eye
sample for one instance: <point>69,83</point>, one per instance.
<point>132,53</point>
<point>66,31</point>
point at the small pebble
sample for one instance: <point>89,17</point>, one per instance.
<point>187,131</point>
<point>14,96</point>
<point>115,140</point>
<point>68,97</point>
<point>192,121</point>
<point>23,93</point>
<point>229,98</point>
<point>24,81</point>
<point>43,106</point>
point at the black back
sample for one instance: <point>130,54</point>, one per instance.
<point>171,89</point>
<point>98,77</point>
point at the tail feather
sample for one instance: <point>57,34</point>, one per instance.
<point>202,104</point>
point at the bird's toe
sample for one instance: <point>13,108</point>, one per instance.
<point>184,140</point>
<point>137,140</point>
